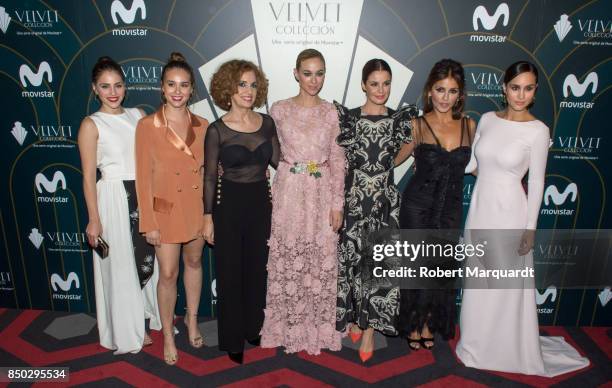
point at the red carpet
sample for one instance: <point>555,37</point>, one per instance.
<point>23,342</point>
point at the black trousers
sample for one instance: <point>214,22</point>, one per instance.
<point>242,220</point>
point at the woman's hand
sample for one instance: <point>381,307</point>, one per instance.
<point>208,231</point>
<point>527,242</point>
<point>93,230</point>
<point>153,237</point>
<point>335,219</point>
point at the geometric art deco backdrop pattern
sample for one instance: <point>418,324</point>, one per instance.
<point>48,48</point>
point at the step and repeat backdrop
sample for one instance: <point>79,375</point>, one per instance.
<point>48,49</point>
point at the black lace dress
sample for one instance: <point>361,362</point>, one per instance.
<point>371,204</point>
<point>433,200</point>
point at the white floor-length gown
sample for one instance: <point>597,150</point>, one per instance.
<point>121,304</point>
<point>499,327</point>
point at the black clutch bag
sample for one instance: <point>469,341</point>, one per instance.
<point>102,248</point>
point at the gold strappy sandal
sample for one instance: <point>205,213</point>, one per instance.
<point>196,342</point>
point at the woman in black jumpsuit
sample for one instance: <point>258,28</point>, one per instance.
<point>243,143</point>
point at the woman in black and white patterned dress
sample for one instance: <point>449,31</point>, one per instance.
<point>126,280</point>
<point>371,136</point>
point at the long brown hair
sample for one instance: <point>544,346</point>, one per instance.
<point>441,70</point>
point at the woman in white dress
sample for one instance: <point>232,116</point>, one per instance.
<point>126,280</point>
<point>499,327</point>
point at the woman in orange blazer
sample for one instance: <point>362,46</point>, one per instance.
<point>169,164</point>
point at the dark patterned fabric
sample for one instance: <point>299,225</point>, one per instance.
<point>371,204</point>
<point>144,253</point>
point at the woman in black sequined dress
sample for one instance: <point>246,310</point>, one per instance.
<point>433,197</point>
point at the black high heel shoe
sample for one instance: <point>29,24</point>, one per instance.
<point>237,357</point>
<point>427,339</point>
<point>256,341</point>
<point>414,344</point>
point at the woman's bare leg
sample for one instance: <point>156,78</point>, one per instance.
<point>192,280</point>
<point>168,259</point>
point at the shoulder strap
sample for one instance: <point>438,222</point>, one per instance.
<point>467,129</point>
<point>431,130</point>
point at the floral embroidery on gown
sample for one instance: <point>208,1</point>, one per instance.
<point>372,203</point>
<point>300,309</point>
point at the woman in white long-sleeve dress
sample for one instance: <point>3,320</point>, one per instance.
<point>126,280</point>
<point>499,327</point>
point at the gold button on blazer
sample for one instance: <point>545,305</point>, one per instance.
<point>169,178</point>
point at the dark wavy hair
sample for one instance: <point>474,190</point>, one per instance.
<point>224,83</point>
<point>373,65</point>
<point>441,70</point>
<point>521,67</point>
<point>105,64</point>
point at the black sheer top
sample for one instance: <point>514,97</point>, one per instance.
<point>244,156</point>
<point>433,197</point>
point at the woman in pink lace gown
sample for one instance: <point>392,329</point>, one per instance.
<point>307,202</point>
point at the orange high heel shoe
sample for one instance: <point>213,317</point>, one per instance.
<point>365,356</point>
<point>355,336</point>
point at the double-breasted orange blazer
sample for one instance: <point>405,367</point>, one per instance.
<point>169,178</point>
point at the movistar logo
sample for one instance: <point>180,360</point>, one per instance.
<point>36,79</point>
<point>65,285</point>
<point>553,194</point>
<point>128,15</point>
<point>578,89</point>
<point>550,292</point>
<point>489,22</point>
<point>41,182</point>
